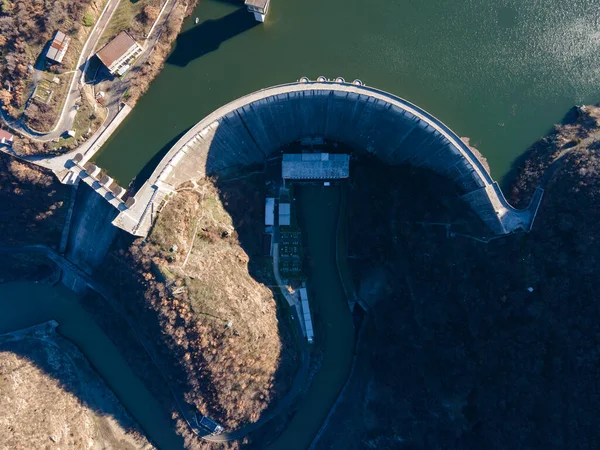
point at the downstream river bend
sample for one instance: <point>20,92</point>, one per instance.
<point>318,210</point>
<point>25,304</point>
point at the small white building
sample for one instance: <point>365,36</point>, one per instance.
<point>58,48</point>
<point>6,138</point>
<point>306,315</point>
<point>284,214</point>
<point>120,53</point>
<point>259,8</point>
<point>269,211</point>
<point>315,166</point>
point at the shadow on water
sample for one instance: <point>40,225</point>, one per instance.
<point>209,35</point>
<point>147,170</point>
<point>243,199</point>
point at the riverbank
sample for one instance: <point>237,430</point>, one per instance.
<point>47,303</point>
<point>318,210</point>
<point>196,287</point>
<point>44,371</point>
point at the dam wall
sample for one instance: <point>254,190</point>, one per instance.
<point>90,234</point>
<point>252,128</point>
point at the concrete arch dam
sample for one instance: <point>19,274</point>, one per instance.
<point>249,129</point>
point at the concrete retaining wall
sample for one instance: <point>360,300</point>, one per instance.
<point>253,127</point>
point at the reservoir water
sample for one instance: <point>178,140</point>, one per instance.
<point>318,211</point>
<point>501,72</point>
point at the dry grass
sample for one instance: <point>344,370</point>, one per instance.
<point>52,398</point>
<point>214,288</point>
<point>129,17</point>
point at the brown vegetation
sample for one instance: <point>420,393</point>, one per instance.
<point>26,27</point>
<point>191,290</point>
<point>138,79</point>
<point>33,204</point>
<point>52,398</point>
<point>574,142</point>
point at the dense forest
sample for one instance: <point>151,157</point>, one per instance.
<point>469,344</point>
<point>33,204</point>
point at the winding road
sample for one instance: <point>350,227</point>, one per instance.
<point>113,104</point>
<point>69,111</point>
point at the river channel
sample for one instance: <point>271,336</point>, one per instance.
<point>25,304</point>
<point>318,210</point>
<point>499,71</point>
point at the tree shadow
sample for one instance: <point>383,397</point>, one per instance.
<point>209,35</point>
<point>243,198</point>
<point>72,373</point>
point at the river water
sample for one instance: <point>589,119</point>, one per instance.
<point>318,209</point>
<point>25,304</point>
<point>499,71</point>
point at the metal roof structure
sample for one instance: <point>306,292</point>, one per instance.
<point>58,47</point>
<point>257,3</point>
<point>306,314</point>
<point>6,138</point>
<point>116,49</point>
<point>269,211</point>
<point>284,214</point>
<point>315,166</point>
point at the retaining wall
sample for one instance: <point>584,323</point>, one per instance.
<point>249,129</point>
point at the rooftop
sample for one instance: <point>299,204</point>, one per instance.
<point>58,47</point>
<point>116,48</point>
<point>269,211</point>
<point>6,135</point>
<point>311,166</point>
<point>256,3</point>
<point>284,214</point>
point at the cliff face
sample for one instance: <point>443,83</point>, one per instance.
<point>475,345</point>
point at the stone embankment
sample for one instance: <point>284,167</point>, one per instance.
<point>250,129</point>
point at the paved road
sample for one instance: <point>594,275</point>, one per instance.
<point>68,112</point>
<point>112,101</point>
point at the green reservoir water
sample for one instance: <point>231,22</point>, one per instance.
<point>25,304</point>
<point>501,72</point>
<point>318,210</point>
